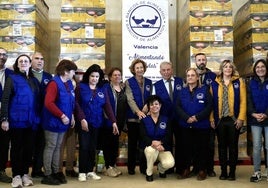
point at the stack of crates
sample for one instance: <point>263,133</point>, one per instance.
<point>24,27</point>
<point>206,26</point>
<point>83,32</point>
<point>250,34</point>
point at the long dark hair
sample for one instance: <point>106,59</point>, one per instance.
<point>265,64</point>
<point>91,69</point>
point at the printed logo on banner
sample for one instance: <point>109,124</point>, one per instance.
<point>145,21</point>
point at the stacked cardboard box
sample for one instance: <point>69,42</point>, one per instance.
<point>23,27</point>
<point>250,34</point>
<point>206,26</point>
<point>83,32</point>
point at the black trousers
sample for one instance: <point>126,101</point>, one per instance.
<point>110,146</point>
<point>87,149</point>
<point>134,153</point>
<point>228,137</point>
<point>195,147</point>
<point>4,148</point>
<point>21,150</point>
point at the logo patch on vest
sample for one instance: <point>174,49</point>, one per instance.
<point>46,81</point>
<point>101,95</point>
<point>266,87</point>
<point>200,96</point>
<point>162,125</point>
<point>208,81</point>
<point>236,85</point>
<point>178,87</point>
<point>148,87</point>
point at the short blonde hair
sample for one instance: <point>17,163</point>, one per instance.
<point>134,62</point>
<point>224,62</point>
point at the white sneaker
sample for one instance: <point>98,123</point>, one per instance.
<point>27,180</point>
<point>82,177</point>
<point>119,172</point>
<point>111,172</point>
<point>255,177</point>
<point>16,182</point>
<point>93,175</point>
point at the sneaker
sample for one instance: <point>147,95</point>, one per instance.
<point>118,172</point>
<point>4,178</point>
<point>93,175</point>
<point>16,182</point>
<point>27,180</point>
<point>82,177</point>
<point>50,180</point>
<point>255,177</point>
<point>111,172</point>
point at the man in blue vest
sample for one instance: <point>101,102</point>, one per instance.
<point>4,135</point>
<point>167,89</point>
<point>206,76</point>
<point>39,144</point>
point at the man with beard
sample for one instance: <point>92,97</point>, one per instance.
<point>4,135</point>
<point>206,76</point>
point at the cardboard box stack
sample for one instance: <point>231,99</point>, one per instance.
<point>83,32</point>
<point>23,27</point>
<point>250,34</point>
<point>206,26</point>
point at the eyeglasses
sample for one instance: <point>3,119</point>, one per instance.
<point>3,54</point>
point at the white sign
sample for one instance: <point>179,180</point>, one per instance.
<point>145,35</point>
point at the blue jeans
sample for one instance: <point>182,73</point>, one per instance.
<point>257,145</point>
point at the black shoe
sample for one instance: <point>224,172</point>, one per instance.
<point>211,173</point>
<point>149,178</point>
<point>223,176</point>
<point>164,175</point>
<point>4,178</point>
<point>131,172</point>
<point>60,176</point>
<point>71,173</point>
<point>50,180</point>
<point>38,174</point>
<point>193,173</point>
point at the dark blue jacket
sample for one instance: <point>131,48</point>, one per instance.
<point>23,106</point>
<point>160,131</point>
<point>257,100</point>
<point>92,104</point>
<point>209,77</point>
<point>65,102</point>
<point>196,103</point>
<point>168,106</point>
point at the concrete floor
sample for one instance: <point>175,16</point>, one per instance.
<point>135,181</point>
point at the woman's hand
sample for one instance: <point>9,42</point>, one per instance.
<point>238,123</point>
<point>115,129</point>
<point>84,125</point>
<point>65,120</point>
<point>5,125</point>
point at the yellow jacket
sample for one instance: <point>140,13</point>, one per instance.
<point>231,102</point>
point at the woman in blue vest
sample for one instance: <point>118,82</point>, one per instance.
<point>156,139</point>
<point>19,114</point>
<point>229,114</point>
<point>92,100</point>
<point>118,99</point>
<point>257,108</point>
<point>193,108</point>
<point>138,89</point>
<point>57,119</point>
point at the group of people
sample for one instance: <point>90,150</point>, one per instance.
<point>41,115</point>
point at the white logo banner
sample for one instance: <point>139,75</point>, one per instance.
<point>145,35</point>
